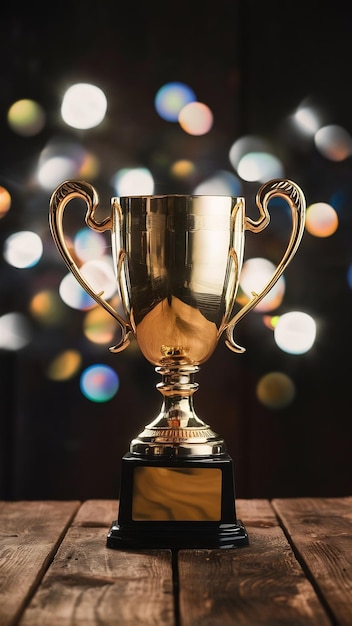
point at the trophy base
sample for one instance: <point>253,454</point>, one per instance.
<point>182,536</point>
<point>177,503</point>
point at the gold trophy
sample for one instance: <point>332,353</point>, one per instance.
<point>178,260</point>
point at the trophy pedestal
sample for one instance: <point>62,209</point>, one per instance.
<point>177,503</point>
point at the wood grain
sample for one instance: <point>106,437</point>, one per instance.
<point>55,569</point>
<point>259,584</point>
<point>320,530</point>
<point>89,584</point>
<point>30,533</point>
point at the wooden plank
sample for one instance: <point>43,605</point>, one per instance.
<point>89,584</point>
<point>320,530</point>
<point>30,533</point>
<point>262,584</point>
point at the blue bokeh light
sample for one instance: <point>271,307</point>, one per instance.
<point>99,383</point>
<point>171,98</point>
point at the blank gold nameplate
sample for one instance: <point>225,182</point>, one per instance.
<point>180,494</point>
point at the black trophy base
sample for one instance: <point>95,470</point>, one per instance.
<point>192,535</point>
<point>177,503</point>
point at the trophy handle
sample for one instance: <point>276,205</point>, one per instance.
<point>62,195</point>
<point>295,198</point>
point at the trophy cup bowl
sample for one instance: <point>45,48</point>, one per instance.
<point>177,260</point>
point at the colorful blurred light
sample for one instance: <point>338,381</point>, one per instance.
<point>89,244</point>
<point>98,326</point>
<point>333,142</point>
<point>349,276</point>
<point>60,160</point>
<point>54,171</point>
<point>196,118</point>
<point>171,98</point>
<point>26,117</point>
<point>100,275</point>
<point>255,274</point>
<point>221,183</point>
<point>89,167</point>
<point>182,168</point>
<point>99,383</point>
<point>259,166</point>
<point>65,365</point>
<point>5,201</point>
<point>74,295</point>
<point>321,219</point>
<point>23,249</point>
<point>245,144</point>
<point>136,181</point>
<point>46,307</point>
<point>275,390</point>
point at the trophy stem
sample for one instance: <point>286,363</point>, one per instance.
<point>177,430</point>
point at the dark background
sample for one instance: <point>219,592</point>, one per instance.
<point>253,63</point>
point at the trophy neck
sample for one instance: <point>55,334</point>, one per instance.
<point>177,431</point>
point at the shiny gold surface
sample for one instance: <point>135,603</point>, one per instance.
<point>179,272</point>
<point>179,494</point>
<point>178,261</point>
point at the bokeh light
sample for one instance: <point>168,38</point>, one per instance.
<point>23,249</point>
<point>260,167</point>
<point>99,274</point>
<point>54,171</point>
<point>65,365</point>
<point>171,98</point>
<point>245,144</point>
<point>136,181</point>
<point>333,142</point>
<point>182,168</point>
<point>221,183</point>
<point>99,326</point>
<point>275,390</point>
<point>295,332</point>
<point>196,118</point>
<point>89,244</point>
<point>83,106</point>
<point>99,383</point>
<point>89,167</point>
<point>306,119</point>
<point>270,321</point>
<point>47,308</point>
<point>255,274</point>
<point>26,117</point>
<point>321,219</point>
<point>5,201</point>
<point>15,331</point>
<point>62,159</point>
<point>74,295</point>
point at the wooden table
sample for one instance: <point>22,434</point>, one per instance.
<point>55,569</point>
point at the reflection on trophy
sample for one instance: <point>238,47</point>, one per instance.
<point>178,261</point>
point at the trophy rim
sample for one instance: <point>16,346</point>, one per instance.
<point>180,195</point>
